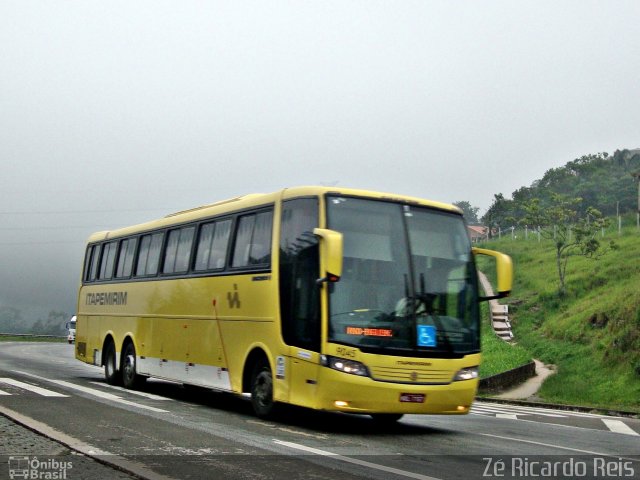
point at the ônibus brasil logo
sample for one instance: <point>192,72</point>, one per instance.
<point>33,468</point>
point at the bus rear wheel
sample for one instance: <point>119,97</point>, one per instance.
<point>110,370</point>
<point>262,390</point>
<point>130,377</point>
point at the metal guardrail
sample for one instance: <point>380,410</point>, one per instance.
<point>30,335</point>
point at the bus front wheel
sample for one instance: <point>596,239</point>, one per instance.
<point>262,390</point>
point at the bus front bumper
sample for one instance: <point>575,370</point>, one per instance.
<point>343,392</point>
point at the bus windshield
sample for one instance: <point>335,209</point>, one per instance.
<point>408,285</point>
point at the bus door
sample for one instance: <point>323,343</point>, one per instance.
<point>300,296</point>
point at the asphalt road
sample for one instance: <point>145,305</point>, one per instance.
<point>167,431</point>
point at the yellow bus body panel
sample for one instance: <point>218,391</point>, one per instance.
<point>202,330</point>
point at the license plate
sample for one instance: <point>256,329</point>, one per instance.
<point>412,397</point>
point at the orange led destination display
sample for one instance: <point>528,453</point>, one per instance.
<point>370,332</point>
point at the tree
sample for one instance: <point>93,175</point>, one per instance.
<point>470,213</point>
<point>601,180</point>
<point>499,214</point>
<point>572,234</point>
<point>54,325</point>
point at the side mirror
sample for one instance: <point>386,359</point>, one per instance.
<point>331,246</point>
<point>504,271</point>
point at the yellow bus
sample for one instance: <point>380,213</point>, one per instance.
<point>328,298</point>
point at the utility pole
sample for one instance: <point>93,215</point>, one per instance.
<point>637,177</point>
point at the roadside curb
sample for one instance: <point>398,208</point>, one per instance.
<point>108,459</point>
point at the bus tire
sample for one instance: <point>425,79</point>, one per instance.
<point>110,370</point>
<point>386,418</point>
<point>130,377</point>
<point>262,390</point>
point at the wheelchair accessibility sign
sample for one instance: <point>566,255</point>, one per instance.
<point>427,336</point>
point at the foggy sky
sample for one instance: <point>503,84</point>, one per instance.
<point>114,113</point>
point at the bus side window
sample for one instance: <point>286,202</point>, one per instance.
<point>253,240</point>
<point>143,254</point>
<point>212,246</point>
<point>243,241</point>
<point>149,255</point>
<point>203,252</point>
<point>299,270</point>
<point>261,242</point>
<point>125,257</point>
<point>178,250</point>
<point>219,245</point>
<point>108,260</point>
<point>91,268</point>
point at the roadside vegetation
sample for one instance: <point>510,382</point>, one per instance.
<point>591,332</point>
<point>20,338</point>
<point>13,321</point>
<point>497,355</point>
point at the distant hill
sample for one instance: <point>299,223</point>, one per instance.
<point>603,181</point>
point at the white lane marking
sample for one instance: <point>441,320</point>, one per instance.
<point>618,426</point>
<point>542,444</point>
<point>510,416</point>
<point>141,394</point>
<point>517,410</point>
<point>32,388</point>
<point>96,393</point>
<point>496,412</point>
<point>520,410</point>
<point>539,410</point>
<point>632,432</point>
<point>362,463</point>
<point>2,392</point>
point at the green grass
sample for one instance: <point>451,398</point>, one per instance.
<point>497,355</point>
<point>592,334</point>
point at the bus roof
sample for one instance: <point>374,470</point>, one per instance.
<point>259,199</point>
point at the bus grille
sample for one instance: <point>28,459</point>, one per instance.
<point>410,375</point>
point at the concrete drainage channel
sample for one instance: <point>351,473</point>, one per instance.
<point>504,380</point>
<point>521,382</point>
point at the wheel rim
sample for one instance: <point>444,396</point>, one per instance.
<point>129,367</point>
<point>110,364</point>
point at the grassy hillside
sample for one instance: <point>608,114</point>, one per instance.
<point>497,355</point>
<point>593,333</point>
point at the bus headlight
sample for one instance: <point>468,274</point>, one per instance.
<point>344,365</point>
<point>466,374</point>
